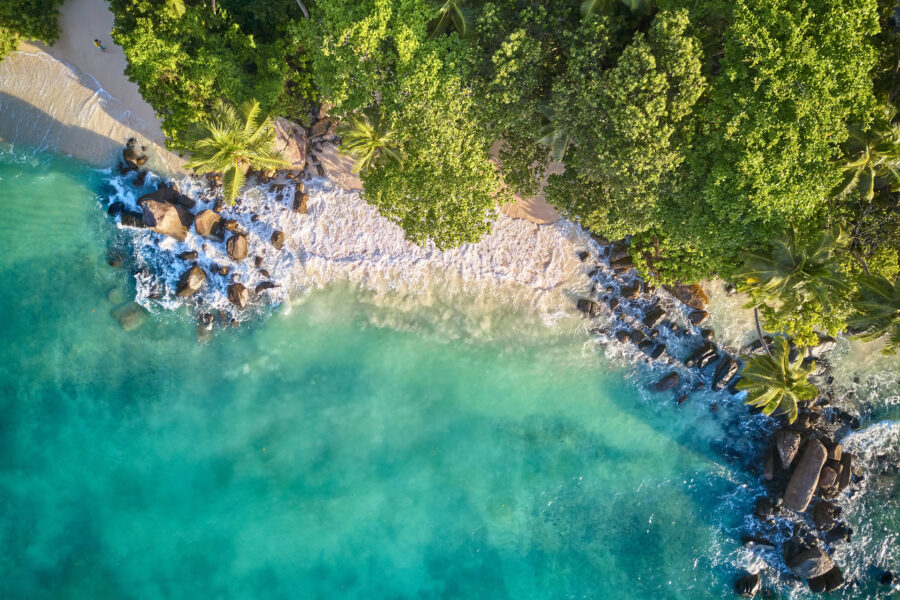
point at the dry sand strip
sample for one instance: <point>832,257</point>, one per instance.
<point>74,99</point>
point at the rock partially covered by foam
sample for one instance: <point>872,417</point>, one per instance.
<point>209,224</point>
<point>238,294</point>
<point>190,282</point>
<point>167,219</point>
<point>237,247</point>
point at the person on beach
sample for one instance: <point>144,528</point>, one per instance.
<point>99,45</point>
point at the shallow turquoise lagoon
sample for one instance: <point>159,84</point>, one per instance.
<point>315,455</point>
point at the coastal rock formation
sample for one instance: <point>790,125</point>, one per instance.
<point>188,255</point>
<point>829,582</point>
<point>667,383</point>
<point>190,282</point>
<point>237,247</point>
<point>290,141</point>
<point>806,562</point>
<point>748,585</point>
<point>698,317</point>
<point>130,218</point>
<point>238,294</point>
<point>265,285</point>
<point>725,372</point>
<point>167,219</point>
<point>689,295</point>
<point>590,308</point>
<point>278,239</point>
<point>300,202</point>
<point>209,224</point>
<point>788,444</point>
<point>805,479</point>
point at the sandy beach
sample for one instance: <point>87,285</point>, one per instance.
<point>74,99</point>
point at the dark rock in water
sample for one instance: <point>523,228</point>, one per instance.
<point>623,336</point>
<point>618,252</point>
<point>657,351</point>
<point>131,218</point>
<point>115,209</point>
<point>667,383</point>
<point>653,316</point>
<point>230,225</point>
<point>846,464</point>
<point>645,346</point>
<point>758,542</point>
<point>141,178</point>
<point>167,219</point>
<point>769,465</point>
<point>622,265</point>
<point>257,260</point>
<point>829,582</point>
<point>582,256</point>
<point>115,258</point>
<point>824,514</point>
<point>727,369</point>
<point>163,193</point>
<point>237,247</point>
<point>184,201</point>
<point>627,291</point>
<point>748,585</point>
<point>788,444</point>
<point>637,336</point>
<point>887,578</point>
<point>706,349</point>
<point>223,271</point>
<point>613,303</point>
<point>828,480</point>
<point>265,285</point>
<point>654,333</point>
<point>130,316</point>
<point>238,295</point>
<point>264,273</point>
<point>188,255</point>
<point>706,334</point>
<point>590,308</point>
<point>698,317</point>
<point>806,562</point>
<point>300,203</point>
<point>278,239</point>
<point>209,225</point>
<point>803,482</point>
<point>766,507</point>
<point>190,282</point>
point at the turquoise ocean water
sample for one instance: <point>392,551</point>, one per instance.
<point>314,454</point>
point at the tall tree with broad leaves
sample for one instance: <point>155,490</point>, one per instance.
<point>772,381</point>
<point>369,140</point>
<point>878,311</point>
<point>870,153</point>
<point>592,7</point>
<point>231,141</point>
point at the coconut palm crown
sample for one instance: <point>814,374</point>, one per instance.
<point>772,381</point>
<point>793,272</point>
<point>452,12</point>
<point>232,141</point>
<point>369,141</point>
<point>870,153</point>
<point>878,311</point>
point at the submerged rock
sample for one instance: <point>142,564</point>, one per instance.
<point>265,285</point>
<point>190,282</point>
<point>130,316</point>
<point>167,219</point>
<point>667,383</point>
<point>803,482</point>
<point>237,247</point>
<point>238,295</point>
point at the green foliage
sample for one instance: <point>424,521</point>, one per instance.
<point>878,311</point>
<point>378,56</point>
<point>233,141</point>
<point>185,58</point>
<point>28,20</point>
<point>871,153</point>
<point>453,13</point>
<point>773,382</point>
<point>369,140</point>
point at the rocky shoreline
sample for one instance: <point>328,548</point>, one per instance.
<point>802,467</point>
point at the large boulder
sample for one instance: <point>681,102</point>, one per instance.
<point>238,294</point>
<point>698,317</point>
<point>132,218</point>
<point>806,477</point>
<point>690,295</point>
<point>301,202</point>
<point>290,140</point>
<point>748,585</point>
<point>167,219</point>
<point>209,224</point>
<point>725,372</point>
<point>808,562</point>
<point>130,316</point>
<point>163,193</point>
<point>190,282</point>
<point>590,308</point>
<point>788,444</point>
<point>278,239</point>
<point>237,247</point>
<point>829,582</point>
<point>653,316</point>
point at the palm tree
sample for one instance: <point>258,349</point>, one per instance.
<point>772,381</point>
<point>552,135</point>
<point>793,273</point>
<point>369,140</point>
<point>231,142</point>
<point>868,154</point>
<point>591,7</point>
<point>452,12</point>
<point>878,311</point>
<point>176,7</point>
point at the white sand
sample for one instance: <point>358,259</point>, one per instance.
<point>74,99</point>
<point>534,209</point>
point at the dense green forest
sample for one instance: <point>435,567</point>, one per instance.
<point>27,20</point>
<point>721,137</point>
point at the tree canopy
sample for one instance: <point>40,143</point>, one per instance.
<point>27,20</point>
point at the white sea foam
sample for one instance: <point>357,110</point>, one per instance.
<point>342,238</point>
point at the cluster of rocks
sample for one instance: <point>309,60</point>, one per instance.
<point>170,213</point>
<point>804,469</point>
